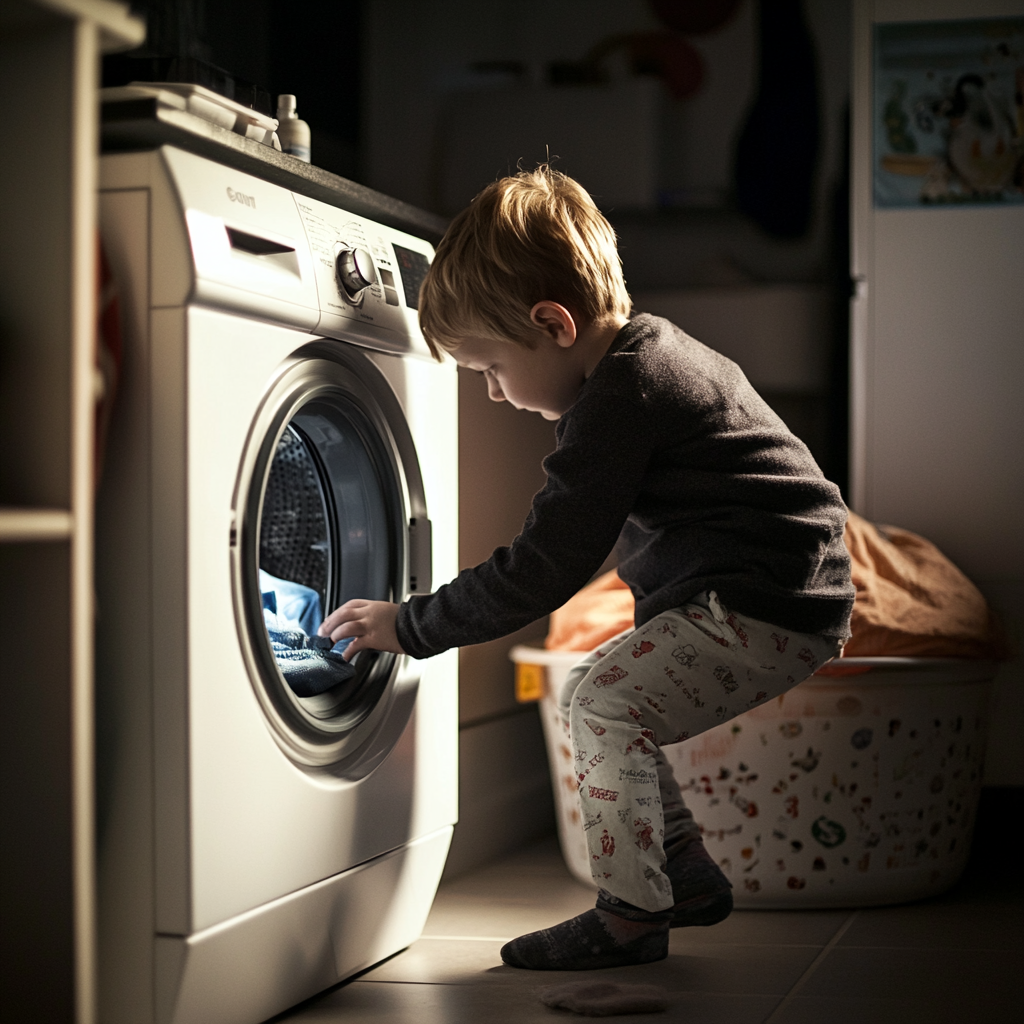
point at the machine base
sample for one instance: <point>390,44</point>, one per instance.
<point>257,964</point>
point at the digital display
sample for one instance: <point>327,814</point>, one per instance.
<point>414,267</point>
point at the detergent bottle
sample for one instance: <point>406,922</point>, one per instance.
<point>293,132</point>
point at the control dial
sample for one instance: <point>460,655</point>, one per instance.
<point>355,271</point>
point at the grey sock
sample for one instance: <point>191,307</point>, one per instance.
<point>595,939</point>
<point>702,893</point>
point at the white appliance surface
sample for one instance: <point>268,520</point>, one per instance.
<point>936,365</point>
<point>223,853</point>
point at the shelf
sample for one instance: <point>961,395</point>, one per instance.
<point>49,53</point>
<point>34,524</point>
<point>118,28</point>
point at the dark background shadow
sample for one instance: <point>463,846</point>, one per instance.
<point>253,50</point>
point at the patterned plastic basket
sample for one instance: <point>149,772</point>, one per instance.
<point>858,787</point>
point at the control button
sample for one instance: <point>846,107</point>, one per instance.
<point>390,291</point>
<point>355,270</point>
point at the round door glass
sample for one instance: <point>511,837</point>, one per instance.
<point>329,531</point>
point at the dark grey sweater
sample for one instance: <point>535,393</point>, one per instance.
<point>670,447</point>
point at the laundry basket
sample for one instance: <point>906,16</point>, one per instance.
<point>856,788</point>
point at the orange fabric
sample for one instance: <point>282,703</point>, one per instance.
<point>911,602</point>
<point>599,611</point>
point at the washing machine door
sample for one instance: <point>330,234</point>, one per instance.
<point>329,507</point>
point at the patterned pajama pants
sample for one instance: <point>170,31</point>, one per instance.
<point>683,672</point>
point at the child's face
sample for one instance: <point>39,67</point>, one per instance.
<point>545,379</point>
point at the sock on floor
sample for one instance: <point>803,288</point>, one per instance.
<point>702,893</point>
<point>591,941</point>
<point>604,998</point>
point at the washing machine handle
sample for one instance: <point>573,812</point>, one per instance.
<point>420,552</point>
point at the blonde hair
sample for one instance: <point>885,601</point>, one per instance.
<point>535,235</point>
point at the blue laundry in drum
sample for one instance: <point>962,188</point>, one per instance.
<point>310,664</point>
<point>293,601</point>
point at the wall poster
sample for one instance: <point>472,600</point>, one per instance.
<point>948,112</point>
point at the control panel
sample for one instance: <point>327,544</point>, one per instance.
<point>367,276</point>
<point>262,250</point>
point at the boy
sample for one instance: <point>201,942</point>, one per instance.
<point>729,537</point>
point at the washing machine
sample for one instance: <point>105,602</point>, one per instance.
<point>270,820</point>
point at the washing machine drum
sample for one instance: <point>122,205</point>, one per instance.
<point>294,543</point>
<point>326,489</point>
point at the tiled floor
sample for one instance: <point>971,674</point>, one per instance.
<point>957,959</point>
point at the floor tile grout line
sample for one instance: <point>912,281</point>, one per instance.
<point>694,942</point>
<point>941,949</point>
<point>406,981</point>
<point>815,964</point>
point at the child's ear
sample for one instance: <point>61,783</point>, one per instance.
<point>555,321</point>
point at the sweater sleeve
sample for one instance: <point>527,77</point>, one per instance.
<point>594,476</point>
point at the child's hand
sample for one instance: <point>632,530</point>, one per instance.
<point>372,623</point>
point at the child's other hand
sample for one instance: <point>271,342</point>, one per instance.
<point>372,623</point>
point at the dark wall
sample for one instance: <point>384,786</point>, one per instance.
<point>252,50</point>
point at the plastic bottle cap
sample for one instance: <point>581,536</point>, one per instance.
<point>286,106</point>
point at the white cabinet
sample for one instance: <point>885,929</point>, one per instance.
<point>936,356</point>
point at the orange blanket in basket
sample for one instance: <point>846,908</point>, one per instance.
<point>911,602</point>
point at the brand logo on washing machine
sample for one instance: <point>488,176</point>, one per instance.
<point>241,197</point>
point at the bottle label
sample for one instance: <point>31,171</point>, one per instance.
<point>299,152</point>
